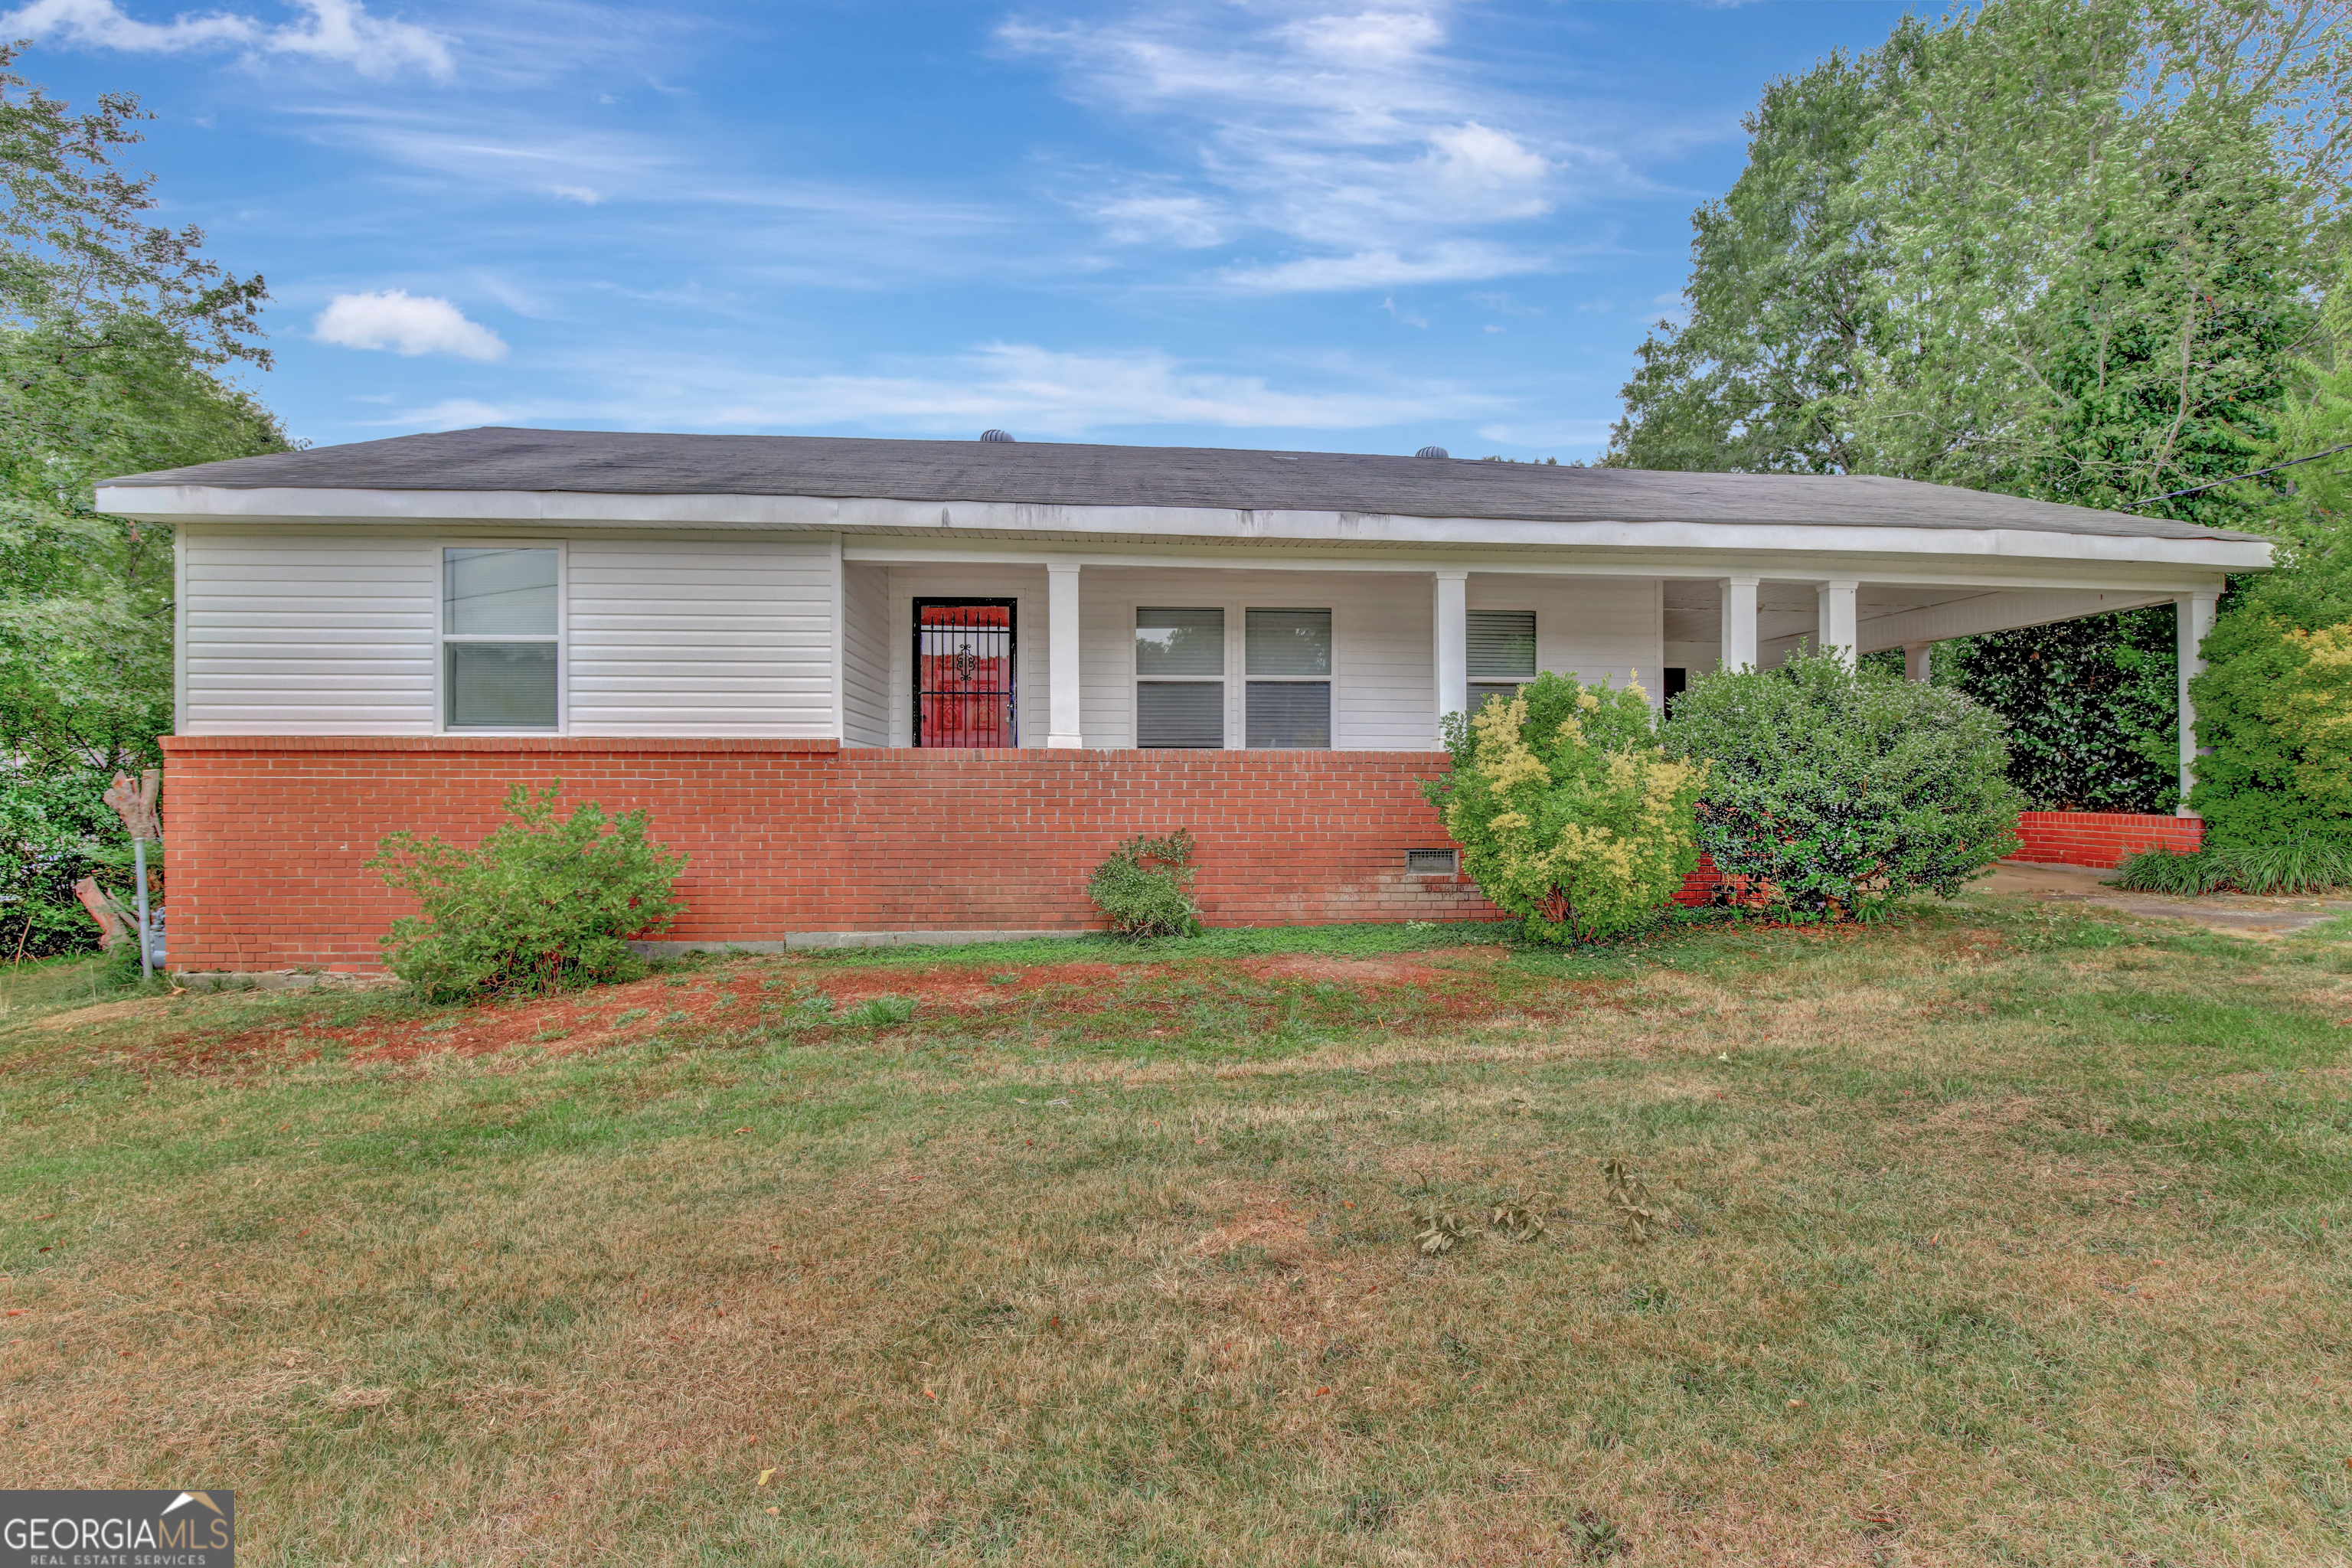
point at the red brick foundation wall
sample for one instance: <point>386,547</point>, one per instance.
<point>267,834</point>
<point>2100,837</point>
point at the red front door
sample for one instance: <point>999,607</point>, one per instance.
<point>963,673</point>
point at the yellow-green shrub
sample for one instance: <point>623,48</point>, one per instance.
<point>1568,813</point>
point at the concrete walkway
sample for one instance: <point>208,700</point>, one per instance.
<point>2233,912</point>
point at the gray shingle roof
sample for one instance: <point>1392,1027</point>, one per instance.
<point>1069,474</point>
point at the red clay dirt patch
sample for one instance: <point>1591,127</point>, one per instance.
<point>724,999</point>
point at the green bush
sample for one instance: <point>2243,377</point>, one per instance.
<point>2093,707</point>
<point>57,830</point>
<point>1145,887</point>
<point>543,903</point>
<point>2274,711</point>
<point>1834,791</point>
<point>1568,813</point>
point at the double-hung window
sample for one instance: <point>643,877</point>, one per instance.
<point>500,638</point>
<point>1502,654</point>
<point>1179,677</point>
<point>1288,657</point>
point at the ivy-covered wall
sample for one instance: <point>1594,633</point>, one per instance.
<point>2093,707</point>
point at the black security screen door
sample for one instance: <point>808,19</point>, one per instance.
<point>963,673</point>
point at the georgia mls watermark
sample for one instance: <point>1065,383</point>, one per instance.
<point>117,1530</point>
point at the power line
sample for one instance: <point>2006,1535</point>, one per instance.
<point>2234,479</point>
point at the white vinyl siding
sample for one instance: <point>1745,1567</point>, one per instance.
<point>334,634</point>
<point>309,635</point>
<point>1590,627</point>
<point>702,636</point>
<point>865,654</point>
<point>1382,684</point>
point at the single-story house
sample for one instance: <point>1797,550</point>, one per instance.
<point>883,690</point>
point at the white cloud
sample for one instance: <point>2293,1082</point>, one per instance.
<point>1349,132</point>
<point>1028,390</point>
<point>101,24</point>
<point>1186,221</point>
<point>337,30</point>
<point>584,195</point>
<point>1400,317</point>
<point>393,319</point>
<point>1447,261</point>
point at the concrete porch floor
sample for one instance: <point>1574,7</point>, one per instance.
<point>2235,913</point>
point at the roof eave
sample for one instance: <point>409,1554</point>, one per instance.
<point>180,504</point>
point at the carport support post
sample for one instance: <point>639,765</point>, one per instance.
<point>1451,634</point>
<point>1740,622</point>
<point>1063,721</point>
<point>2193,619</point>
<point>1916,665</point>
<point>1836,603</point>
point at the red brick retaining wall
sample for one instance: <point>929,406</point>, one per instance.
<point>267,834</point>
<point>2100,837</point>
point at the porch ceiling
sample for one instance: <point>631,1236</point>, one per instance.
<point>1888,615</point>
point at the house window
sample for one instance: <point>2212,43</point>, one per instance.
<point>499,639</point>
<point>1502,654</point>
<point>1180,678</point>
<point>1288,657</point>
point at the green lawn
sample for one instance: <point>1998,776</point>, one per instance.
<point>1994,1234</point>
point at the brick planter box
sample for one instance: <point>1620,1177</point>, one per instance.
<point>2101,838</point>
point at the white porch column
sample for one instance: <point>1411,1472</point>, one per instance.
<point>1451,633</point>
<point>1838,617</point>
<point>1739,623</point>
<point>1063,722</point>
<point>1915,663</point>
<point>2193,616</point>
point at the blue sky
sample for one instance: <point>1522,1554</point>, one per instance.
<point>1355,226</point>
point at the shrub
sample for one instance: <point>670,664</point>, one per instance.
<point>1145,887</point>
<point>2184,873</point>
<point>2093,707</point>
<point>1568,813</point>
<point>57,830</point>
<point>2298,866</point>
<point>2274,711</point>
<point>544,902</point>
<point>1834,791</point>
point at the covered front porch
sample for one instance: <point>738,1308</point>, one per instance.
<point>1116,653</point>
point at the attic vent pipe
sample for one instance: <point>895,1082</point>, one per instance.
<point>996,435</point>
<point>1432,452</point>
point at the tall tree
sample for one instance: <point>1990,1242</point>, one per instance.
<point>114,335</point>
<point>2054,248</point>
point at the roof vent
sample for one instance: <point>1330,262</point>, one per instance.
<point>996,435</point>
<point>1432,452</point>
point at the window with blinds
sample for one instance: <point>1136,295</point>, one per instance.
<point>1288,657</point>
<point>1502,654</point>
<point>1179,686</point>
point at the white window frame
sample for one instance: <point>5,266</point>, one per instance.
<point>1136,680</point>
<point>1236,607</point>
<point>1329,680</point>
<point>443,636</point>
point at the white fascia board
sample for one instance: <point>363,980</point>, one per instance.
<point>1972,573</point>
<point>1757,542</point>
